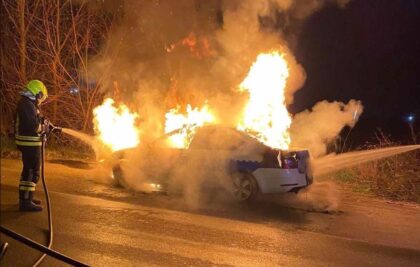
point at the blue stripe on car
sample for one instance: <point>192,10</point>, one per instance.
<point>244,165</point>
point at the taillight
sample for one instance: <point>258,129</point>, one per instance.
<point>289,163</point>
<point>288,160</point>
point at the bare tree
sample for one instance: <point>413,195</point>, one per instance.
<point>52,41</point>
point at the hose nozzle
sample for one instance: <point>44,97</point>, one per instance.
<point>55,129</point>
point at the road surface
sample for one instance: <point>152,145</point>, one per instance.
<point>103,225</point>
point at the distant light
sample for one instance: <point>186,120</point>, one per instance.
<point>410,118</point>
<point>74,90</point>
<point>156,186</point>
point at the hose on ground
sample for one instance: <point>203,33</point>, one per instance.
<point>47,198</point>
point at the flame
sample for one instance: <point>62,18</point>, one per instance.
<point>198,46</point>
<point>115,125</point>
<point>182,127</point>
<point>266,116</point>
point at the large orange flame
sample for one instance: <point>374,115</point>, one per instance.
<point>266,116</point>
<point>115,126</point>
<point>182,127</point>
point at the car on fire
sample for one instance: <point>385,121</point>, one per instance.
<point>226,157</point>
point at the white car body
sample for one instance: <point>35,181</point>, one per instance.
<point>273,180</point>
<point>254,167</point>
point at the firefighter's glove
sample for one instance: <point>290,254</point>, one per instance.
<point>45,126</point>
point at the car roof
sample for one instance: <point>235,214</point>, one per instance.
<point>223,136</point>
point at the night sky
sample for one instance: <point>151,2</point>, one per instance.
<point>368,51</point>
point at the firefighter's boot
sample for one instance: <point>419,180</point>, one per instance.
<point>25,201</point>
<point>37,201</point>
<point>35,179</point>
<point>26,194</point>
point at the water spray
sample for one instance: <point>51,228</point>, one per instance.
<point>332,163</point>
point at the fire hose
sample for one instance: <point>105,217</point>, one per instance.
<point>46,250</point>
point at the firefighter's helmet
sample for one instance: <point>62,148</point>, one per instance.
<point>38,89</point>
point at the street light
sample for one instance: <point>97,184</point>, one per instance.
<point>410,120</point>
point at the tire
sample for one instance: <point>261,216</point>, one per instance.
<point>245,187</point>
<point>118,175</point>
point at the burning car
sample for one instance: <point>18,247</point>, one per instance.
<point>217,156</point>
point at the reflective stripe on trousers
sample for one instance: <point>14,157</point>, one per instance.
<point>27,186</point>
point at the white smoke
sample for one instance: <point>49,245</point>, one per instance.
<point>314,128</point>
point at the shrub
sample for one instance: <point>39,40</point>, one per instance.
<point>396,177</point>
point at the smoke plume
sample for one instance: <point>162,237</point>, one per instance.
<point>168,53</point>
<point>314,128</point>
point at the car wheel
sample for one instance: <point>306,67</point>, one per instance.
<point>118,175</point>
<point>244,186</point>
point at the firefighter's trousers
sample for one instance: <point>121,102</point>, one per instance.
<point>31,159</point>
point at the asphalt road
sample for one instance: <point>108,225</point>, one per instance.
<point>103,225</point>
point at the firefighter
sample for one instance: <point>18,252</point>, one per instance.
<point>29,126</point>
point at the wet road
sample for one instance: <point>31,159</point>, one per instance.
<point>103,225</point>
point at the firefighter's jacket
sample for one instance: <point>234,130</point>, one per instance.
<point>27,123</point>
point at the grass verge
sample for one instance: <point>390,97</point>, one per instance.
<point>395,178</point>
